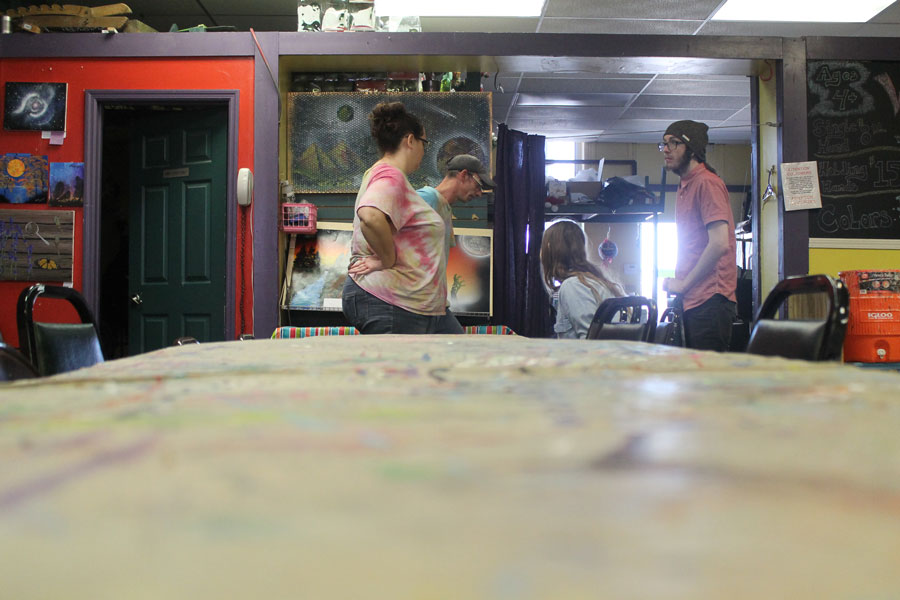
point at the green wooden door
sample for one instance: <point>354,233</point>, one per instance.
<point>177,228</point>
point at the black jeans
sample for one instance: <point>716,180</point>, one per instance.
<point>708,326</point>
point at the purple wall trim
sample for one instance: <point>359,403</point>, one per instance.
<point>529,44</point>
<point>66,45</point>
<point>792,114</point>
<point>93,152</point>
<point>266,120</point>
<point>122,45</point>
<point>844,48</point>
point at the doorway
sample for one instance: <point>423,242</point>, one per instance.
<point>128,214</point>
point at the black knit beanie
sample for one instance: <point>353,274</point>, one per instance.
<point>694,136</point>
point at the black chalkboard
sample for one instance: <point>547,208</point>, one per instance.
<point>854,135</point>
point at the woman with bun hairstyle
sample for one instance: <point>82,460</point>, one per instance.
<point>582,285</point>
<point>396,281</point>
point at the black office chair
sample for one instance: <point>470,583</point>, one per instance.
<point>612,322</point>
<point>14,365</point>
<point>57,347</point>
<point>670,329</point>
<point>796,338</point>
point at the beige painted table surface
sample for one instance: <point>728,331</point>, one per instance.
<point>450,467</point>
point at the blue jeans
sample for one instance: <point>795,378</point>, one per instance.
<point>373,315</point>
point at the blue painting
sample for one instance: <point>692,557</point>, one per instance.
<point>67,184</point>
<point>35,106</point>
<point>23,178</point>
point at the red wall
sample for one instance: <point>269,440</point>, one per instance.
<point>122,74</point>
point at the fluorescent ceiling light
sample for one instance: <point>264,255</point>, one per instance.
<point>459,8</point>
<point>807,11</point>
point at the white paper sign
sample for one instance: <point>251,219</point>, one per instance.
<point>801,185</point>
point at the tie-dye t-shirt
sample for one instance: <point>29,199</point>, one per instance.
<point>417,280</point>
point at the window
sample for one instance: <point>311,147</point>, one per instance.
<point>666,255</point>
<point>560,150</point>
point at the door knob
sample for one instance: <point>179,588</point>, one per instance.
<point>137,299</point>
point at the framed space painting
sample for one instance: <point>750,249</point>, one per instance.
<point>469,272</point>
<point>34,106</point>
<point>36,245</point>
<point>330,146</point>
<point>24,178</point>
<point>317,267</point>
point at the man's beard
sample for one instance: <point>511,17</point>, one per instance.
<point>681,167</point>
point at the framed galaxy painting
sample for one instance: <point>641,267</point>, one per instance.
<point>330,146</point>
<point>35,106</point>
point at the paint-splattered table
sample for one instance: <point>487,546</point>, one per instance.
<point>450,467</point>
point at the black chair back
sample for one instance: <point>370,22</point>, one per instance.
<point>57,347</point>
<point>670,329</point>
<point>13,365</point>
<point>801,338</point>
<point>608,321</point>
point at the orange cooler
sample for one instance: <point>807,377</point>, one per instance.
<point>873,332</point>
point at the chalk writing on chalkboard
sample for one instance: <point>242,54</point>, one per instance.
<point>854,136</point>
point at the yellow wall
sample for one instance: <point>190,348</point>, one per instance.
<point>830,261</point>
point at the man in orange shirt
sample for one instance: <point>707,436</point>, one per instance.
<point>706,269</point>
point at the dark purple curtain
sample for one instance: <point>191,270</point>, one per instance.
<point>520,301</point>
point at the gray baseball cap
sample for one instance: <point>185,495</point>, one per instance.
<point>472,165</point>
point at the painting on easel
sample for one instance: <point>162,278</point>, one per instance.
<point>317,267</point>
<point>469,275</point>
<point>36,245</point>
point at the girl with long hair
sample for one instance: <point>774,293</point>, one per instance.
<point>581,284</point>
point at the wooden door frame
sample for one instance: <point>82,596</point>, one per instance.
<point>94,101</point>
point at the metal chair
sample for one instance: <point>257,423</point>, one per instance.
<point>14,365</point>
<point>802,338</point>
<point>57,347</point>
<point>608,323</point>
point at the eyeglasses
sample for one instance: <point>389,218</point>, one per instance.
<point>477,179</point>
<point>423,140</point>
<point>672,145</point>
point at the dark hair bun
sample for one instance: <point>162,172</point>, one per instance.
<point>390,122</point>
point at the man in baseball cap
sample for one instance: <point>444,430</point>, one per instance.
<point>465,179</point>
<point>706,269</point>
<point>470,164</point>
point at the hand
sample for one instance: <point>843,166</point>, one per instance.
<point>673,286</point>
<point>366,265</point>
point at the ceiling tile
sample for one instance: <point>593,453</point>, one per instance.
<point>576,86</point>
<point>716,87</point>
<point>671,101</point>
<point>619,26</point>
<point>633,9</point>
<point>703,115</point>
<point>573,99</point>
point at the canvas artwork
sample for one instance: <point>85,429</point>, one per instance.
<point>330,146</point>
<point>35,106</point>
<point>469,275</point>
<point>36,245</point>
<point>317,267</point>
<point>67,184</point>
<point>23,178</point>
